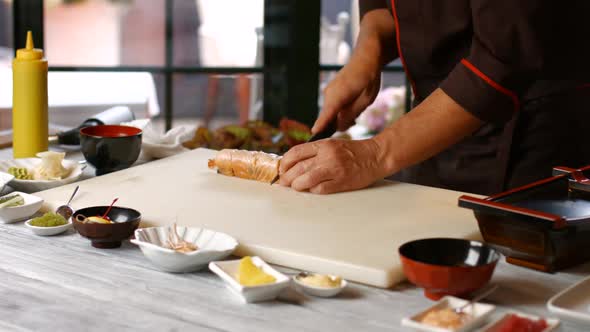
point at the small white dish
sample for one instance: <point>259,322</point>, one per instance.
<point>478,311</point>
<point>319,291</point>
<point>227,271</point>
<point>48,231</point>
<point>5,178</point>
<point>573,303</point>
<point>212,246</point>
<point>552,323</point>
<point>31,186</point>
<point>23,212</point>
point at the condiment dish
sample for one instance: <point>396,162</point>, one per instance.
<point>572,303</point>
<point>552,323</point>
<point>227,270</point>
<point>478,313</point>
<point>107,236</point>
<point>48,231</point>
<point>211,246</point>
<point>445,266</point>
<point>316,290</point>
<point>22,212</point>
<point>30,186</point>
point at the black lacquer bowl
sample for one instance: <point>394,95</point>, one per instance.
<point>544,225</point>
<point>110,148</point>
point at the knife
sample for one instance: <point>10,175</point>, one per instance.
<point>329,130</point>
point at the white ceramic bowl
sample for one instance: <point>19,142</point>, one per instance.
<point>552,323</point>
<point>227,271</point>
<point>23,212</point>
<point>5,178</point>
<point>319,291</point>
<point>31,186</point>
<point>212,246</point>
<point>48,231</point>
<point>479,312</point>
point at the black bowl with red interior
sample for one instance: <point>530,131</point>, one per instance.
<point>110,148</point>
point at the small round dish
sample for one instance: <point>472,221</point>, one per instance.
<point>48,231</point>
<point>212,246</point>
<point>319,291</point>
<point>107,236</point>
<point>19,213</point>
<point>31,186</point>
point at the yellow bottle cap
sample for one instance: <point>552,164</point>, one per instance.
<point>29,52</point>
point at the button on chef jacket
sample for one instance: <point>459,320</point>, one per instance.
<point>521,66</point>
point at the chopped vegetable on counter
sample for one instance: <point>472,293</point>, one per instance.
<point>49,219</point>
<point>251,275</point>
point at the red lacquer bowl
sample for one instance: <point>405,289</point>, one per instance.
<point>445,266</point>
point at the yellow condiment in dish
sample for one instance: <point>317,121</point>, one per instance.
<point>251,275</point>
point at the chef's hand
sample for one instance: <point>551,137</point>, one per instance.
<point>352,90</point>
<point>332,165</point>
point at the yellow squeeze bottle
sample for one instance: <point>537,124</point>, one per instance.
<point>30,124</point>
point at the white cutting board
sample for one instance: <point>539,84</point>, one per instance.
<point>355,235</point>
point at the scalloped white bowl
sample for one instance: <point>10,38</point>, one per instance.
<point>31,186</point>
<point>212,246</point>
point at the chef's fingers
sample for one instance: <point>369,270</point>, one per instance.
<point>348,114</point>
<point>296,154</point>
<point>301,167</point>
<point>311,179</point>
<point>326,187</point>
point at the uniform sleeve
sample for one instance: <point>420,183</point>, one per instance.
<point>506,56</point>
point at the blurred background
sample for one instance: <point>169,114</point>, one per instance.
<point>209,62</point>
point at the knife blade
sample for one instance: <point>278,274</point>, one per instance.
<point>327,132</point>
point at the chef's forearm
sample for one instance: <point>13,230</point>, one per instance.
<point>436,124</point>
<point>376,41</point>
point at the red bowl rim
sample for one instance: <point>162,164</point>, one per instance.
<point>127,131</point>
<point>415,261</point>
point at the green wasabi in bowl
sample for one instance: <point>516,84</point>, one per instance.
<point>49,219</point>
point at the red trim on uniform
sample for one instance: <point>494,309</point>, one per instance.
<point>493,84</point>
<point>399,47</point>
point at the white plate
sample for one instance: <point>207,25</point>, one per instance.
<point>5,178</point>
<point>573,303</point>
<point>23,212</point>
<point>31,186</point>
<point>48,231</point>
<point>212,246</point>
<point>479,312</point>
<point>319,291</point>
<point>227,270</point>
<point>552,323</point>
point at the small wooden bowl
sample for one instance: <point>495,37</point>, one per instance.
<point>106,236</point>
<point>444,266</point>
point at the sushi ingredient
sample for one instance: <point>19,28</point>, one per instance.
<point>251,275</point>
<point>11,201</point>
<point>20,173</point>
<point>51,167</point>
<point>178,244</point>
<point>251,165</point>
<point>49,219</point>
<point>99,220</point>
<point>321,280</point>
<point>446,318</point>
<point>515,323</point>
